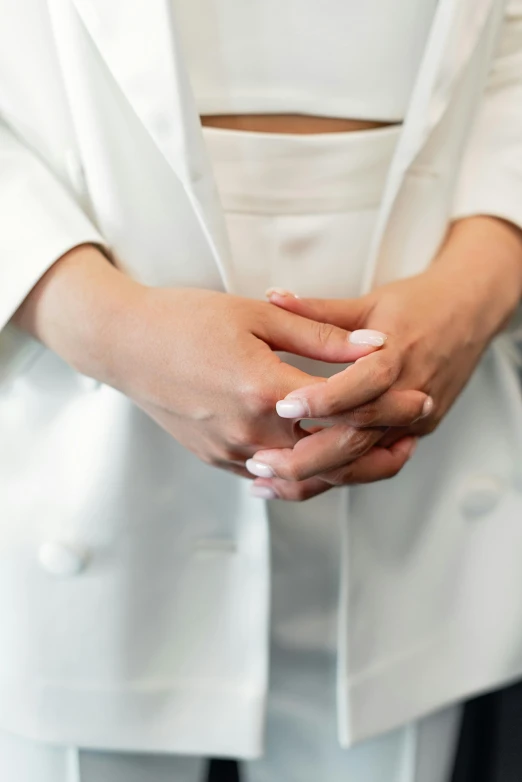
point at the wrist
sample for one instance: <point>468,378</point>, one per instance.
<point>481,264</point>
<point>77,310</point>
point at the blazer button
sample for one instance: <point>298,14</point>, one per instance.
<point>480,495</point>
<point>61,559</point>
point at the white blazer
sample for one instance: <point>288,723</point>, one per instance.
<point>134,580</point>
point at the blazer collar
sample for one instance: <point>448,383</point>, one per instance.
<point>139,44</point>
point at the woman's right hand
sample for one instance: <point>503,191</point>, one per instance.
<point>200,363</point>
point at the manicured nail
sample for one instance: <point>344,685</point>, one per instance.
<point>368,337</point>
<point>427,407</point>
<point>280,292</point>
<point>292,408</point>
<point>263,492</point>
<point>259,469</point>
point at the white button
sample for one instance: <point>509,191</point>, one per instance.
<point>61,559</point>
<point>480,495</point>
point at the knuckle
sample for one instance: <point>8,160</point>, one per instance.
<point>323,332</point>
<point>385,374</point>
<point>292,472</point>
<point>366,415</point>
<point>356,442</point>
<point>255,401</point>
<point>242,436</point>
<point>339,477</point>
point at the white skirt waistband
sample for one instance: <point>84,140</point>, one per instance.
<point>294,174</point>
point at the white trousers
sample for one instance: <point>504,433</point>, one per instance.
<point>291,202</point>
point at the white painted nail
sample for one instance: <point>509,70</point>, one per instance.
<point>292,408</point>
<point>259,469</point>
<point>427,407</point>
<point>368,337</point>
<point>279,292</point>
<point>263,492</point>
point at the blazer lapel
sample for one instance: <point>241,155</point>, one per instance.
<point>139,43</point>
<point>455,31</point>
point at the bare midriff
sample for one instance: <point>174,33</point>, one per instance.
<point>288,123</point>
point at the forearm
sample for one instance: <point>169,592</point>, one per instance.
<point>77,310</point>
<point>481,264</point>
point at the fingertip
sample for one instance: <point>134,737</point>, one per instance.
<point>276,294</point>
<point>406,447</point>
<point>263,492</point>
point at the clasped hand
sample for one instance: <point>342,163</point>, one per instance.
<point>367,417</point>
<point>204,364</point>
<point>437,323</point>
<point>217,384</point>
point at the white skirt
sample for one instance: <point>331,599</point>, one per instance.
<point>291,203</point>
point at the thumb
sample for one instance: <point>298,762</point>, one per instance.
<point>314,338</point>
<point>348,314</point>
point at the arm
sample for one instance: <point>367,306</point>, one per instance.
<point>200,363</point>
<point>39,222</point>
<point>490,181</point>
<point>439,322</point>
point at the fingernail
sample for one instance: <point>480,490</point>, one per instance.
<point>279,292</point>
<point>263,492</point>
<point>367,337</point>
<point>259,469</point>
<point>427,407</point>
<point>292,408</point>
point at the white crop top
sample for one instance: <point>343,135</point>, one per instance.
<point>355,59</point>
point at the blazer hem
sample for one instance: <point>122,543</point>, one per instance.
<point>420,683</point>
<point>225,721</point>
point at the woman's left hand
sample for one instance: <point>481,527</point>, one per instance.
<point>438,325</point>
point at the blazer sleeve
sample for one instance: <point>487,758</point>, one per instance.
<point>490,181</point>
<point>39,222</point>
